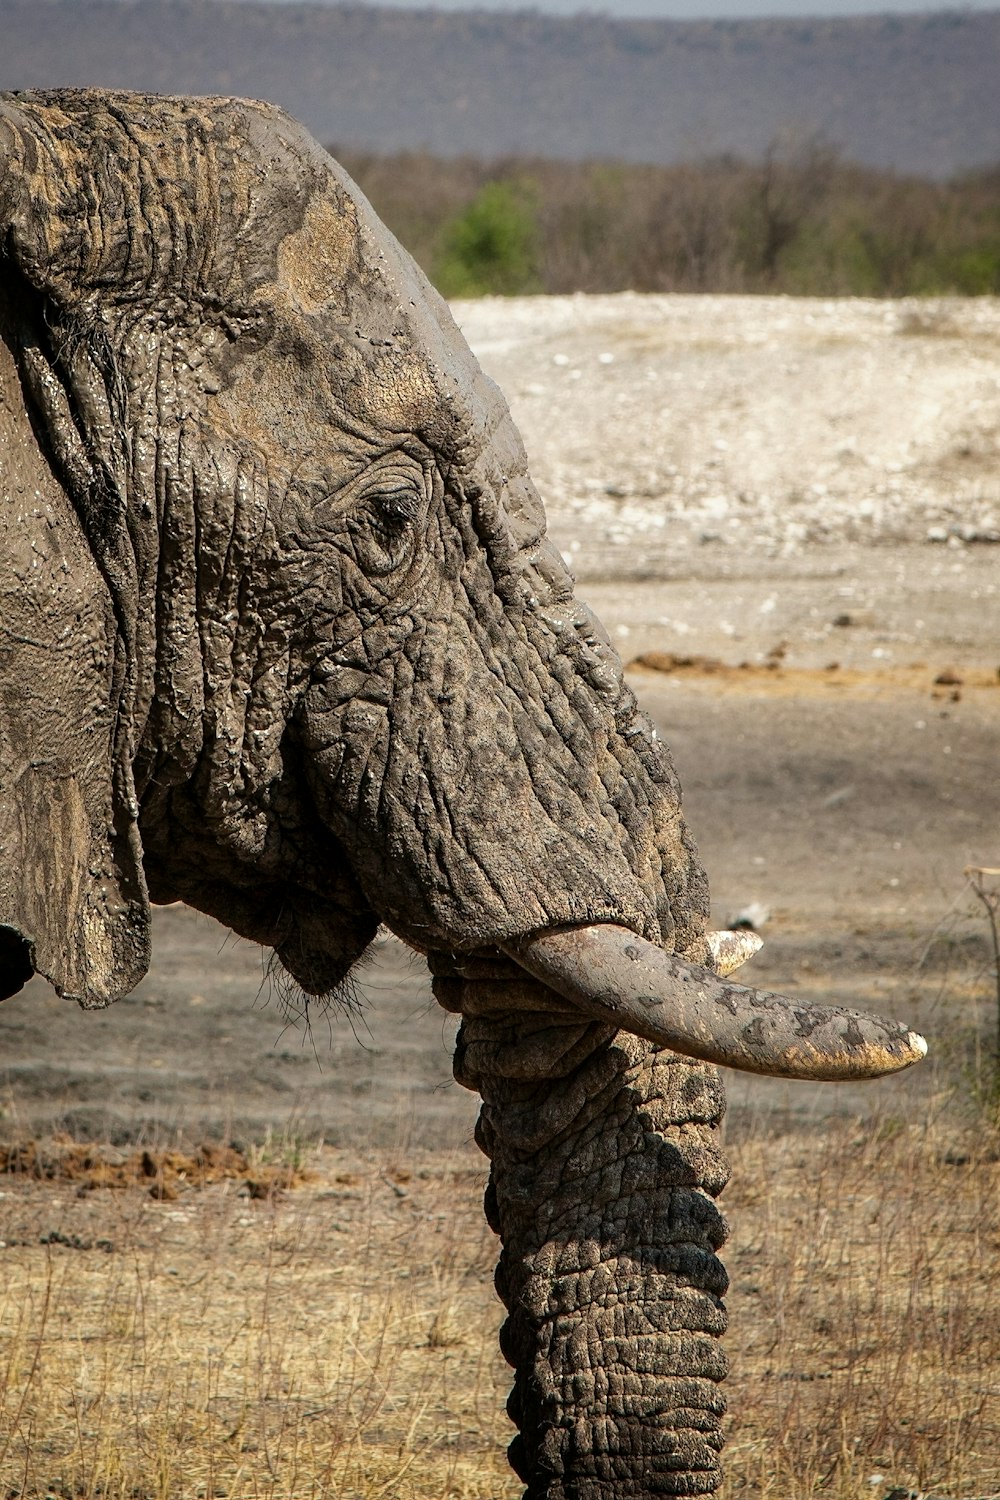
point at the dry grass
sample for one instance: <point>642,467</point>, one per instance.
<point>340,1340</point>
<point>865,1337</point>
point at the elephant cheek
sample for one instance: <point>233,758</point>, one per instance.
<point>459,845</point>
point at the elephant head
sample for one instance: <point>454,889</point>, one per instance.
<point>282,636</point>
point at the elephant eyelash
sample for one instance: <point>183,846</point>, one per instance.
<point>399,507</point>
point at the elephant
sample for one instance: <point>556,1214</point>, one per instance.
<point>282,636</point>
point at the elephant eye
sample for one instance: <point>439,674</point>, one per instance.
<point>400,506</point>
<point>387,523</point>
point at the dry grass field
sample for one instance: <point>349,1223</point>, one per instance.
<point>336,1337</point>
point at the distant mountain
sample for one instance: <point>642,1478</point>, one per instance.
<point>918,93</point>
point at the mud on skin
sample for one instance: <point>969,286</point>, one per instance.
<point>282,637</point>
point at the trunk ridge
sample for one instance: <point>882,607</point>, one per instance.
<point>604,1168</point>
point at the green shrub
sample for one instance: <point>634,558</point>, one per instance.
<point>492,246</point>
<point>972,272</point>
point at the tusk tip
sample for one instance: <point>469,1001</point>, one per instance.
<point>918,1044</point>
<point>729,950</point>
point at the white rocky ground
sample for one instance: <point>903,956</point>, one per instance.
<point>658,424</point>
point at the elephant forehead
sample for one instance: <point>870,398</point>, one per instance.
<point>370,349</point>
<point>248,245</point>
<point>388,341</point>
<point>316,258</point>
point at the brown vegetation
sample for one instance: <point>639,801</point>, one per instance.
<point>802,221</point>
<point>772,674</point>
<point>164,1174</point>
<point>862,1339</point>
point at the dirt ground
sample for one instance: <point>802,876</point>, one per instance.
<point>788,515</point>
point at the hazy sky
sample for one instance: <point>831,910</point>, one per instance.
<point>701,10</point>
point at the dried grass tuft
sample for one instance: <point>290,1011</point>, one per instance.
<point>864,1334</point>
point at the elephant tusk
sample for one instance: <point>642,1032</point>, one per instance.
<point>617,977</point>
<point>730,950</point>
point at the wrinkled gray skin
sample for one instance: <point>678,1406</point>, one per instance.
<point>281,636</point>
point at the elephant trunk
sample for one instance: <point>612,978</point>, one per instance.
<point>604,1170</point>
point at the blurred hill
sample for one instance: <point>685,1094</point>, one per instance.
<point>916,93</point>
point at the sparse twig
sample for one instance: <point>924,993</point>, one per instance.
<point>978,877</point>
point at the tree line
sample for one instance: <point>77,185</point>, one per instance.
<point>802,221</point>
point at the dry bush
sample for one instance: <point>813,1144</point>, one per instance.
<point>340,1339</point>
<point>801,221</point>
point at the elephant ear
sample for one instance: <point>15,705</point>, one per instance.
<point>73,903</point>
